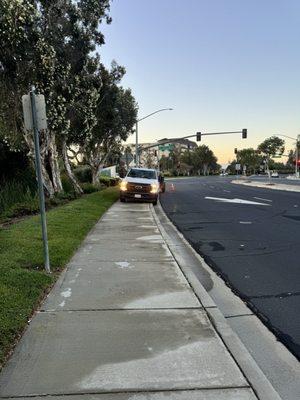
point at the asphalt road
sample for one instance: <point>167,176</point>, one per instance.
<point>254,247</point>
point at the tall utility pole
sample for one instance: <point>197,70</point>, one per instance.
<point>137,162</point>
<point>297,156</point>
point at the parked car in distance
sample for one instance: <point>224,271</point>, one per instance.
<point>224,174</point>
<point>142,184</point>
<point>274,174</point>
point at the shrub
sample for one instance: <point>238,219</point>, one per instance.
<point>59,199</point>
<point>89,188</point>
<point>14,192</point>
<point>167,174</point>
<point>26,204</point>
<point>105,180</point>
<point>21,209</point>
<point>67,184</point>
<point>108,181</point>
<point>83,173</point>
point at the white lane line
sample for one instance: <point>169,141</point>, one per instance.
<point>246,222</point>
<point>227,191</point>
<point>237,201</point>
<point>260,198</point>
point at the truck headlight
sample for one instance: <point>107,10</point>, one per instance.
<point>154,188</point>
<point>123,186</point>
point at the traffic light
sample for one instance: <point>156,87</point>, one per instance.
<point>198,136</point>
<point>244,133</point>
<point>235,151</point>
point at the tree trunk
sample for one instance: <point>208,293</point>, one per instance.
<point>53,163</point>
<point>268,170</point>
<point>95,175</point>
<point>47,181</point>
<point>68,169</point>
<point>45,176</point>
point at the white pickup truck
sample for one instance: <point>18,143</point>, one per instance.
<point>142,184</point>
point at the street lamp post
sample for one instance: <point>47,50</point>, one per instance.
<point>296,160</point>
<point>136,133</point>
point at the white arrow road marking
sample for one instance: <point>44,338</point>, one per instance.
<point>237,201</point>
<point>260,198</point>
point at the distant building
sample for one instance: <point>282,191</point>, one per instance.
<point>149,158</point>
<point>165,146</point>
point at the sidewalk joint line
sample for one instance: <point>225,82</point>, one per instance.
<point>128,391</point>
<point>122,309</point>
<point>240,315</point>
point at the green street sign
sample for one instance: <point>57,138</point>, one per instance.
<point>164,147</point>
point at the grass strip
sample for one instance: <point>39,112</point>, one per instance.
<point>23,281</point>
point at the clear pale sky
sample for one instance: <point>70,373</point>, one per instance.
<point>221,64</point>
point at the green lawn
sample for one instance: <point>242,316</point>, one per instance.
<point>23,282</point>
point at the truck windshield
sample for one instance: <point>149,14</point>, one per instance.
<point>142,173</point>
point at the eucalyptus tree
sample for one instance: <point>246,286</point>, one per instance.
<point>72,28</point>
<point>25,58</point>
<point>269,148</point>
<point>116,114</point>
<point>51,44</point>
<point>18,32</point>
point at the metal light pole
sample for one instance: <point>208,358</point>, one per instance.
<point>296,157</point>
<point>136,145</point>
<point>137,162</point>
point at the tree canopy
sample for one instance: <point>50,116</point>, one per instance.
<point>53,45</point>
<point>271,146</point>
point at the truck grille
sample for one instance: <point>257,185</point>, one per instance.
<point>138,187</point>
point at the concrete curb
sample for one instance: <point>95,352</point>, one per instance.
<point>254,375</point>
<point>275,186</point>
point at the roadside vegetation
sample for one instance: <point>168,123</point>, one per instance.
<point>19,197</point>
<point>264,158</point>
<point>202,161</point>
<point>55,47</point>
<point>23,282</point>
<point>198,161</point>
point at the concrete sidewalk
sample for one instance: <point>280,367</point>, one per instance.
<point>123,323</point>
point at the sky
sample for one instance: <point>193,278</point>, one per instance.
<point>222,65</point>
